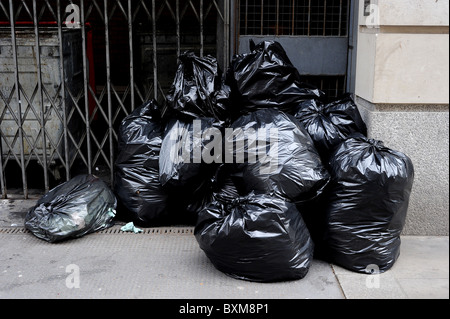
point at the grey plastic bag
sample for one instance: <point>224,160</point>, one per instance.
<point>81,206</point>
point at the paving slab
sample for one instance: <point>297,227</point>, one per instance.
<point>13,211</point>
<point>164,263</point>
<point>421,272</point>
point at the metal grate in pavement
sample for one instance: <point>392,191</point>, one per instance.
<point>13,230</point>
<point>153,231</point>
<point>116,231</point>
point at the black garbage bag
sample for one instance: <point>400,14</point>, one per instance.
<point>198,90</point>
<point>185,204</point>
<point>274,154</point>
<point>330,124</point>
<point>266,78</point>
<point>369,197</point>
<point>83,205</point>
<point>313,212</point>
<point>136,182</point>
<point>182,161</point>
<point>222,186</point>
<point>256,238</point>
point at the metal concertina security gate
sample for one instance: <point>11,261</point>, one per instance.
<point>71,70</point>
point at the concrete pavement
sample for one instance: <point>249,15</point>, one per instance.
<point>166,263</point>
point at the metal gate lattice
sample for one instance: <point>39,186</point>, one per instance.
<point>71,70</point>
<point>294,17</point>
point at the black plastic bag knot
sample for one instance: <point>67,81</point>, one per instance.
<point>379,145</point>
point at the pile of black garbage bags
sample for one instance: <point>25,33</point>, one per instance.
<point>270,174</point>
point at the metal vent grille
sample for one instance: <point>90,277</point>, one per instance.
<point>294,17</point>
<point>13,230</point>
<point>154,231</point>
<point>332,86</point>
<point>116,231</point>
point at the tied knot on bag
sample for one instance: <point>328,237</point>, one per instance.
<point>187,57</point>
<point>50,206</point>
<point>239,201</point>
<point>379,145</point>
<point>320,110</point>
